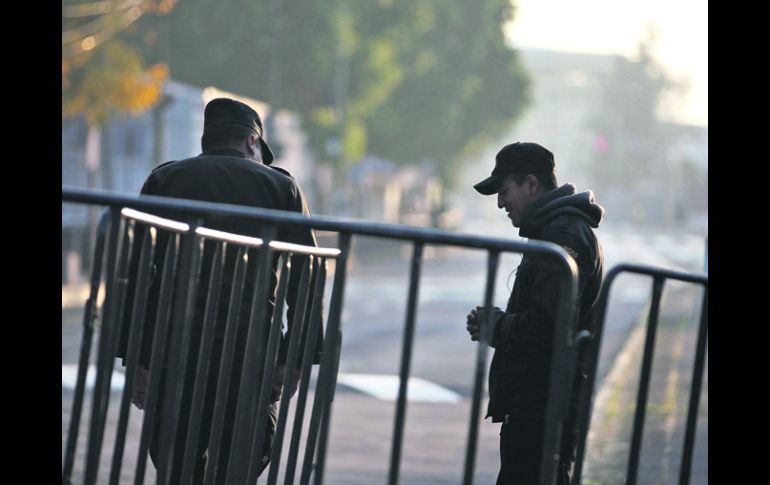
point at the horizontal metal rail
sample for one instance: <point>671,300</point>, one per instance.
<point>253,242</point>
<point>327,223</point>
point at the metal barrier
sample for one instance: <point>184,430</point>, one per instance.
<point>590,356</point>
<point>242,464</point>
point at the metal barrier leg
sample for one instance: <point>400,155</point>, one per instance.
<point>297,333</point>
<point>184,309</point>
<point>146,254</point>
<point>252,365</point>
<point>406,359</point>
<point>116,262</point>
<point>225,369</point>
<point>85,348</point>
<point>160,337</point>
<point>314,327</point>
<point>191,457</point>
<point>253,461</point>
<point>697,380</point>
<point>644,381</point>
<point>481,362</point>
<point>326,422</point>
<point>325,373</point>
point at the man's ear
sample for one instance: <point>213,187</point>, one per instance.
<point>533,184</point>
<point>250,144</point>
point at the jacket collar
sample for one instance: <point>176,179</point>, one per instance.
<point>227,152</point>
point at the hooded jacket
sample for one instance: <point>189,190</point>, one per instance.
<point>518,377</point>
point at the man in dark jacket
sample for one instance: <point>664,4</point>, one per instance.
<point>524,179</point>
<point>234,168</point>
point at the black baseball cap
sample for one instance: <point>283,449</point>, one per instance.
<point>222,111</point>
<point>520,157</point>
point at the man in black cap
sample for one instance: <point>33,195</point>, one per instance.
<point>234,168</point>
<point>524,179</point>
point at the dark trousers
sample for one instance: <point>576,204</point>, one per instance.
<point>201,462</point>
<point>521,446</point>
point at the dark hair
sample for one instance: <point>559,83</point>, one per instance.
<point>546,179</point>
<point>224,135</point>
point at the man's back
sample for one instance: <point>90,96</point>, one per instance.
<point>234,169</point>
<point>224,176</point>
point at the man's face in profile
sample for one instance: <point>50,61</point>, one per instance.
<point>515,198</point>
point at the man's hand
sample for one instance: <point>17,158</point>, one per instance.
<point>280,370</point>
<point>139,389</point>
<point>476,316</point>
<point>472,323</point>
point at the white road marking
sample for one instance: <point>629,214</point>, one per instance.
<point>385,387</point>
<point>69,376</point>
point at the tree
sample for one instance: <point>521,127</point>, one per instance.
<point>463,86</point>
<point>400,79</point>
<point>103,75</point>
<point>630,141</point>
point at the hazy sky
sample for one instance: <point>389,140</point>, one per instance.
<point>616,26</point>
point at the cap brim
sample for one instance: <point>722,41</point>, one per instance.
<point>267,154</point>
<point>489,185</point>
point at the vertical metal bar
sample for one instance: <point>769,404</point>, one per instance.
<point>146,253</point>
<point>254,459</point>
<point>583,346</point>
<point>562,366</point>
<point>85,348</point>
<point>184,309</point>
<point>314,326</point>
<point>326,422</point>
<point>325,371</point>
<point>225,367</point>
<point>406,359</point>
<point>644,380</point>
<point>203,364</point>
<point>160,336</point>
<point>251,365</point>
<point>481,362</point>
<point>297,332</point>
<point>697,380</point>
<point>115,262</point>
<point>586,401</point>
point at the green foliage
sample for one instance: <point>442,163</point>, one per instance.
<point>102,73</point>
<point>118,82</point>
<point>406,80</point>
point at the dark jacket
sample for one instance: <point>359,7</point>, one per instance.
<point>519,372</point>
<point>223,176</point>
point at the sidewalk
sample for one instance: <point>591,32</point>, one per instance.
<point>609,437</point>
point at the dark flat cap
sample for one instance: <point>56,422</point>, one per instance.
<point>222,111</point>
<point>519,157</point>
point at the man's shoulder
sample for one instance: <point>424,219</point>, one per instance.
<point>281,171</point>
<point>565,224</point>
<point>282,174</point>
<point>574,234</point>
<point>163,166</point>
<point>567,231</point>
